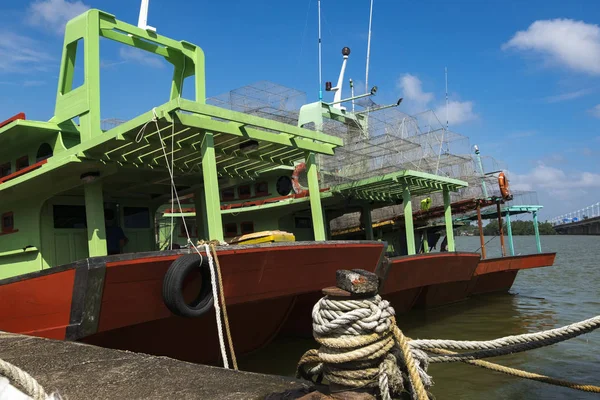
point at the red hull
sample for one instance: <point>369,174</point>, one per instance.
<point>405,279</point>
<point>116,301</point>
<point>499,274</point>
<point>443,278</point>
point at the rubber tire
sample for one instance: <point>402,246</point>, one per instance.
<point>172,290</point>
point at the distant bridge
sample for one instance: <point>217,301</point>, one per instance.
<point>581,222</point>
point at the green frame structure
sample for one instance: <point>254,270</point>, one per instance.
<point>209,143</point>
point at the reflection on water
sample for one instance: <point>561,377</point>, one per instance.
<point>540,299</point>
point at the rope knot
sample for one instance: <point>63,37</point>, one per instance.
<point>361,346</point>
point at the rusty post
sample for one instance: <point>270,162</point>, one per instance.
<point>499,210</point>
<point>480,224</point>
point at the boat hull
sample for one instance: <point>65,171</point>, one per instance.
<point>404,279</point>
<point>116,301</point>
<point>498,274</point>
<point>442,278</point>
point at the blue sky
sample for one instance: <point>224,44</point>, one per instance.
<point>524,77</point>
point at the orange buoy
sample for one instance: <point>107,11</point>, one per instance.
<point>298,189</point>
<point>504,189</point>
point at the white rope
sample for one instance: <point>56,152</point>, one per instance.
<point>22,380</point>
<point>508,344</point>
<point>213,280</point>
<point>208,254</point>
<point>359,348</point>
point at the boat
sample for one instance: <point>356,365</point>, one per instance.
<point>68,273</point>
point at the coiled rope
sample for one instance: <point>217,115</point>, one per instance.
<point>361,346</point>
<point>25,382</point>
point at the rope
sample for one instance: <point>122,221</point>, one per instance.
<point>216,305</point>
<point>508,344</point>
<point>361,346</point>
<point>225,316</point>
<point>214,275</point>
<point>525,374</point>
<point>25,382</point>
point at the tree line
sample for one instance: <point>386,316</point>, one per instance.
<point>519,228</point>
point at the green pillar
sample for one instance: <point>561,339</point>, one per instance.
<point>537,232</point>
<point>315,197</point>
<point>408,222</point>
<point>425,242</point>
<point>367,220</point>
<point>212,205</point>
<point>94,214</point>
<point>511,246</point>
<point>448,220</point>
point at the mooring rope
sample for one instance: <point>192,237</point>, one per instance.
<point>224,304</point>
<point>214,275</point>
<point>361,346</point>
<point>508,344</point>
<point>25,382</point>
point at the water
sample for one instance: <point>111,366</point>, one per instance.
<point>540,299</point>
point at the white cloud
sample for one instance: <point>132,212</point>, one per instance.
<point>414,96</point>
<point>458,112</point>
<point>567,96</point>
<point>566,42</point>
<point>546,177</point>
<point>54,14</point>
<point>131,54</point>
<point>416,100</point>
<point>595,111</point>
<point>21,54</point>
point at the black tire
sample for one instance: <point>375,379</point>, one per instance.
<point>173,287</point>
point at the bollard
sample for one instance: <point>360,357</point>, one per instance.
<point>350,284</point>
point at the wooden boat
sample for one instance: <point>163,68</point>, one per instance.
<point>60,179</point>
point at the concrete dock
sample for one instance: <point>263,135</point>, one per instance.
<point>80,371</point>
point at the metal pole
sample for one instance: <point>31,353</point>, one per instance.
<point>480,224</point>
<point>368,49</point>
<point>537,232</point>
<point>483,187</point>
<point>448,220</point>
<point>320,77</point>
<point>501,229</point>
<point>511,247</point>
<point>408,222</point>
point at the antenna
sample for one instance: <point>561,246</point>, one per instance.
<point>446,73</point>
<point>320,76</point>
<point>143,19</point>
<point>368,49</point>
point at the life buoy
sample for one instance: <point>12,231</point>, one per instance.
<point>172,290</point>
<point>504,189</point>
<point>298,189</point>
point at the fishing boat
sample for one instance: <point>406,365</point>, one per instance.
<point>77,244</point>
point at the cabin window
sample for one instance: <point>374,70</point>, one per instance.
<point>228,194</point>
<point>44,152</point>
<point>69,217</point>
<point>303,222</point>
<point>8,222</point>
<point>244,191</point>
<point>261,189</point>
<point>231,229</point>
<point>22,162</point>
<point>247,227</point>
<point>5,170</point>
<point>136,217</point>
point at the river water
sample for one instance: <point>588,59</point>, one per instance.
<point>540,299</point>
